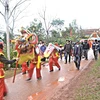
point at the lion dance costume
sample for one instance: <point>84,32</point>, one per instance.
<point>27,51</point>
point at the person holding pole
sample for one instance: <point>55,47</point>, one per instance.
<point>3,60</point>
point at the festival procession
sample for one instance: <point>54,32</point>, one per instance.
<point>49,50</point>
<point>32,55</point>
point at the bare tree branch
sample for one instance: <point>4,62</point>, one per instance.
<point>2,2</point>
<point>4,6</point>
<point>21,11</point>
<point>17,5</point>
<point>15,12</point>
<point>47,25</point>
<point>2,14</point>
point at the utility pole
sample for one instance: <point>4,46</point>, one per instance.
<point>7,27</point>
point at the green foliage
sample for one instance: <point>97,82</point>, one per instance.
<point>36,27</point>
<point>56,31</point>
<point>57,22</point>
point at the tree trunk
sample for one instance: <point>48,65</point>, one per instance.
<point>7,28</point>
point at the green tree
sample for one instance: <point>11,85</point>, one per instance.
<point>54,36</point>
<point>75,31</point>
<point>57,23</point>
<point>36,27</point>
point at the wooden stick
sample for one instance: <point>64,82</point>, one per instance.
<point>16,69</point>
<point>15,72</point>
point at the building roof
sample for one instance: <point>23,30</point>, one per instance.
<point>90,31</point>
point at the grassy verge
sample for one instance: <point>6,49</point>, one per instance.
<point>9,73</point>
<point>90,86</point>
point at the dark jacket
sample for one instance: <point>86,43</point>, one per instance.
<point>77,50</point>
<point>67,48</point>
<point>5,61</point>
<point>86,46</point>
<point>95,46</point>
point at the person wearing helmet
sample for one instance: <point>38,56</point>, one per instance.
<point>3,60</point>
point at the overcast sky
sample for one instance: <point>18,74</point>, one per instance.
<point>86,12</point>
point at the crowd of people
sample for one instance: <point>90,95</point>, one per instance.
<point>77,50</point>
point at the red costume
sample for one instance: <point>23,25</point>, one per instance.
<point>24,67</point>
<point>36,62</point>
<point>24,46</point>
<point>3,60</point>
<point>53,59</point>
<point>3,89</point>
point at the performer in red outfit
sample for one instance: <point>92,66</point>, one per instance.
<point>24,67</point>
<point>53,59</point>
<point>3,60</point>
<point>36,62</point>
<point>17,47</point>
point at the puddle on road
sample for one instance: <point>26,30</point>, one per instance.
<point>30,98</point>
<point>61,79</point>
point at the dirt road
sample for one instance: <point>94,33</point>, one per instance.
<point>44,88</point>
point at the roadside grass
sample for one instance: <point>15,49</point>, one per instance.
<point>10,73</point>
<point>90,87</point>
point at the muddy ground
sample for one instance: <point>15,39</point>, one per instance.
<point>69,91</point>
